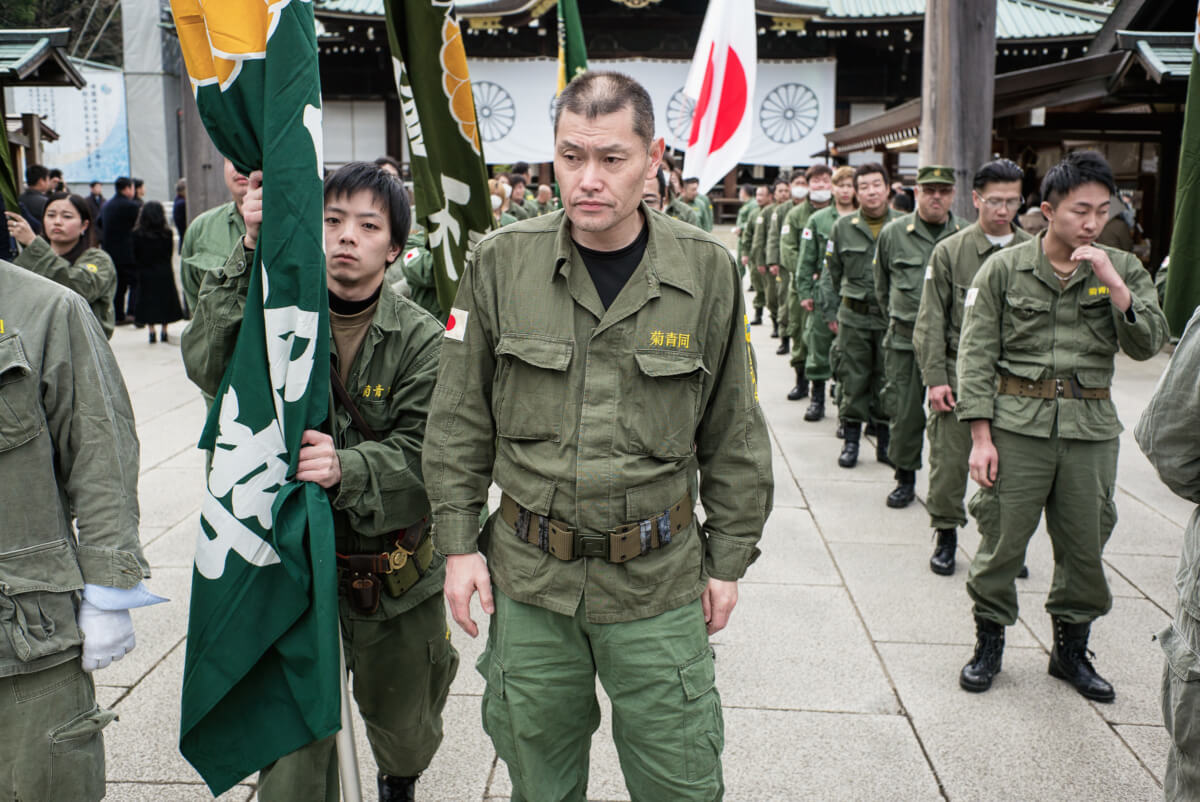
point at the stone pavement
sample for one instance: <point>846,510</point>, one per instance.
<point>838,673</point>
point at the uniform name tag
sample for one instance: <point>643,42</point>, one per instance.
<point>786,229</point>
<point>807,233</point>
<point>456,324</point>
<point>971,295</point>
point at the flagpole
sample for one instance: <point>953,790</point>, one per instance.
<point>347,755</point>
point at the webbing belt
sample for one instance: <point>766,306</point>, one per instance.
<point>1050,388</point>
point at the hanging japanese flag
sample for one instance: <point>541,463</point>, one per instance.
<point>721,82</point>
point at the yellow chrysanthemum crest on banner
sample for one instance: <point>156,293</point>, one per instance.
<point>456,82</point>
<point>218,36</point>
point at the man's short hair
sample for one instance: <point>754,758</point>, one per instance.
<point>748,189</point>
<point>843,173</point>
<point>123,183</point>
<point>95,184</point>
<point>521,167</point>
<point>1079,168</point>
<point>818,170</point>
<point>138,183</point>
<point>781,179</point>
<point>695,181</point>
<point>903,202</point>
<point>55,173</point>
<point>870,168</point>
<point>382,160</point>
<point>389,193</point>
<point>515,178</point>
<point>599,92</point>
<point>1000,171</point>
<point>34,173</point>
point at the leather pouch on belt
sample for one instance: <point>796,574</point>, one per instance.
<point>364,593</point>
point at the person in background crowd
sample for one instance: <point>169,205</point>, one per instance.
<point>746,197</point>
<point>119,216</point>
<point>500,192</point>
<point>1118,231</point>
<point>546,202</point>
<point>139,191</point>
<point>519,206</point>
<point>33,198</point>
<point>95,201</point>
<point>903,201</point>
<point>57,184</point>
<point>212,235</point>
<point>64,254</point>
<point>654,189</point>
<point>522,169</point>
<point>818,179</point>
<point>179,210</point>
<point>676,206</point>
<point>766,244</point>
<point>752,247</point>
<point>158,299</point>
<point>699,203</point>
<point>1033,222</point>
<point>389,165</point>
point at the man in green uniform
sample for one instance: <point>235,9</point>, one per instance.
<point>414,271</point>
<point>682,210</point>
<point>821,311</point>
<point>211,237</point>
<point>901,258</point>
<point>1043,321</point>
<point>69,536</point>
<point>701,203</point>
<point>952,268</point>
<point>746,196</point>
<point>766,235</point>
<point>818,192</point>
<point>596,363</point>
<point>849,278</point>
<point>519,206</point>
<point>1166,434</point>
<point>779,282</point>
<point>384,353</point>
<point>754,220</point>
<point>545,200</point>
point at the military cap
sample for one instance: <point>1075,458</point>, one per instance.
<point>935,174</point>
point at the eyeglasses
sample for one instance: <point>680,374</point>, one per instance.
<point>995,204</point>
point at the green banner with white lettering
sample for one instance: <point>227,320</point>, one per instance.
<point>261,671</point>
<point>1183,278</point>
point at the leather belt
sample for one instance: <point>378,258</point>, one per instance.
<point>862,307</point>
<point>903,328</point>
<point>616,545</point>
<point>1050,388</point>
<point>361,577</point>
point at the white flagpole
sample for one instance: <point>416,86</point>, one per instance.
<point>346,752</point>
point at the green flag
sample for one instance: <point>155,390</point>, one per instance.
<point>1183,279</point>
<point>8,178</point>
<point>572,52</point>
<point>261,671</point>
<point>449,174</point>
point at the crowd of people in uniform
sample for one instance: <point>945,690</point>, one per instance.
<point>599,370</point>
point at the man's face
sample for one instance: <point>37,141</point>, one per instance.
<point>602,168</point>
<point>820,182</point>
<point>690,190</point>
<point>1079,217</point>
<point>96,188</point>
<point>872,193</point>
<point>236,183</point>
<point>762,196</point>
<point>843,192</point>
<point>140,191</point>
<point>933,202</point>
<point>651,195</point>
<point>544,194</point>
<point>782,192</point>
<point>358,241</point>
<point>997,204</point>
<point>128,192</point>
<point>518,192</point>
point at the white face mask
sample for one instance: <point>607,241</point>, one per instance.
<point>496,201</point>
<point>506,189</point>
<point>820,195</point>
<point>799,193</point>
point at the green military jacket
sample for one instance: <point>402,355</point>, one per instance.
<point>952,268</point>
<point>901,256</point>
<point>746,238</point>
<point>1019,322</point>
<point>415,267</point>
<point>790,232</point>
<point>762,234</point>
<point>743,216</point>
<point>93,276</point>
<point>704,211</point>
<point>1166,434</point>
<point>850,269</point>
<point>598,418</point>
<point>206,245</point>
<point>774,227</point>
<point>391,380</point>
<point>68,454</point>
<point>547,207</point>
<point>523,210</point>
<point>810,263</point>
<point>682,210</point>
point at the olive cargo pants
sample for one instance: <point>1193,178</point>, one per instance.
<point>860,374</point>
<point>818,340</point>
<point>540,705</point>
<point>402,669</point>
<point>907,394</point>
<point>759,282</point>
<point>1181,705</point>
<point>797,323</point>
<point>51,744</point>
<point>949,452</point>
<point>1074,481</point>
<point>777,298</point>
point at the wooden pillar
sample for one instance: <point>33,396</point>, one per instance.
<point>203,164</point>
<point>957,89</point>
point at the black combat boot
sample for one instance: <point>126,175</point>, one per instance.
<point>774,328</point>
<point>785,345</point>
<point>801,388</point>
<point>757,316</point>
<point>397,789</point>
<point>851,431</point>
<point>883,436</point>
<point>816,409</point>
<point>905,491</point>
<point>977,675</point>
<point>1023,573</point>
<point>1069,661</point>
<point>942,561</point>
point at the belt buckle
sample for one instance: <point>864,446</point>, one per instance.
<point>591,545</point>
<point>397,559</point>
<point>1058,388</point>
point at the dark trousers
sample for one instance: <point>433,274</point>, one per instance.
<point>125,300</point>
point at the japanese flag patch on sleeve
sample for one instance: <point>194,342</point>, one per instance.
<point>807,233</point>
<point>456,324</point>
<point>972,294</point>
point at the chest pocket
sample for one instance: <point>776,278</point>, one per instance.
<point>1027,322</point>
<point>858,274</point>
<point>531,386</point>
<point>663,408</point>
<point>1097,317</point>
<point>909,274</point>
<point>21,418</point>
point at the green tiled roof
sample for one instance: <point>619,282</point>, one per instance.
<point>1166,56</point>
<point>37,58</point>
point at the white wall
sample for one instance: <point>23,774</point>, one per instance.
<point>355,130</point>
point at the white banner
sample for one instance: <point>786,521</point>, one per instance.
<point>793,106</point>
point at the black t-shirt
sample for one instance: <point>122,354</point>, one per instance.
<point>610,270</point>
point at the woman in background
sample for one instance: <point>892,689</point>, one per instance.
<point>158,302</point>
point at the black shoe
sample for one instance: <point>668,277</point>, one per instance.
<point>785,345</point>
<point>397,789</point>
<point>757,317</point>
<point>1069,661</point>
<point>882,438</point>
<point>164,337</point>
<point>152,339</point>
<point>816,409</point>
<point>942,561</point>
<point>1024,572</point>
<point>872,428</point>
<point>774,329</point>
<point>801,388</point>
<point>849,455</point>
<point>906,489</point>
<point>976,676</point>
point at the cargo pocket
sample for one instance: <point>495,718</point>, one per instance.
<point>1181,688</point>
<point>77,757</point>
<point>985,509</point>
<point>663,408</point>
<point>704,735</point>
<point>1097,317</point>
<point>21,417</point>
<point>683,556</point>
<point>443,666</point>
<point>1027,323</point>
<point>531,386</point>
<point>37,611</point>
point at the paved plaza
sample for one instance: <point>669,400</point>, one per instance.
<point>838,672</point>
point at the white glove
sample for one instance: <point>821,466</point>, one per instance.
<point>107,635</point>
